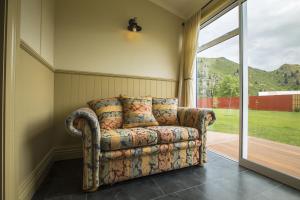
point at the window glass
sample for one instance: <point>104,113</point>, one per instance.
<point>226,23</point>
<point>274,84</point>
<point>218,89</point>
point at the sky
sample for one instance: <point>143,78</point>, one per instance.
<point>273,34</point>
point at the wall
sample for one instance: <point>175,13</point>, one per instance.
<point>91,36</point>
<point>31,17</point>
<point>296,102</point>
<point>37,27</point>
<point>34,95</point>
<point>34,115</point>
<point>73,90</point>
<point>47,30</point>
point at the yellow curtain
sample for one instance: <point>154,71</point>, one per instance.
<point>189,48</point>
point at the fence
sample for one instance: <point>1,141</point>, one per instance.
<point>296,102</point>
<point>288,103</point>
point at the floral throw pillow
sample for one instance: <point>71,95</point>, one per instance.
<point>137,112</point>
<point>165,110</point>
<point>109,112</point>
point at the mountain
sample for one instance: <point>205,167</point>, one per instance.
<point>286,77</point>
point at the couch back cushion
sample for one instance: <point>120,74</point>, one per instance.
<point>109,112</point>
<point>165,110</point>
<point>137,112</point>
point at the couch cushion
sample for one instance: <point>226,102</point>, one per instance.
<point>108,111</point>
<point>165,110</point>
<point>137,112</point>
<point>172,134</point>
<point>127,138</point>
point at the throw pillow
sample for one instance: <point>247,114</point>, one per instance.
<point>137,112</point>
<point>109,112</point>
<point>165,110</point>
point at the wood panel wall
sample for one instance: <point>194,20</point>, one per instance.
<point>296,102</point>
<point>74,89</point>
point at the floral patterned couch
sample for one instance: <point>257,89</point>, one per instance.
<point>114,155</point>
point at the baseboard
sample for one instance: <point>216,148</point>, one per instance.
<point>34,179</point>
<point>30,185</point>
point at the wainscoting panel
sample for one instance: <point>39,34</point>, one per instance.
<point>74,89</point>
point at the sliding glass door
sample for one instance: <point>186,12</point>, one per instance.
<point>248,72</point>
<point>270,85</point>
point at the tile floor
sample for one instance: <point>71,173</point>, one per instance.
<point>220,179</point>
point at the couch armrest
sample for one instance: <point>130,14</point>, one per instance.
<point>200,119</point>
<point>84,123</point>
<point>84,113</point>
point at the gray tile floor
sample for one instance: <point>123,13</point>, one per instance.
<point>220,179</point>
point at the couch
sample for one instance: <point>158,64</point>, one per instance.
<point>115,155</point>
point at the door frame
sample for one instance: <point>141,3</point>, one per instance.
<point>11,41</point>
<point>2,72</point>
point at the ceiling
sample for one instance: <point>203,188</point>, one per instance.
<point>181,8</point>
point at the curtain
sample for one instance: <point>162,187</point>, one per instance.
<point>187,65</point>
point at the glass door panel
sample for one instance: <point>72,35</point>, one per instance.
<point>218,89</point>
<point>273,49</point>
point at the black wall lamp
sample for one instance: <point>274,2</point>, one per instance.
<point>133,26</point>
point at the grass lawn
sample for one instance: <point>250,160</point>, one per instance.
<point>282,127</point>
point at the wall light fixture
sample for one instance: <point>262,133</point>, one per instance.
<point>133,26</point>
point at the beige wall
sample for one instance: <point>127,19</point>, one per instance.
<point>37,27</point>
<point>34,93</point>
<point>31,23</point>
<point>47,30</point>
<point>34,108</point>
<point>72,91</point>
<point>92,36</point>
<point>89,36</point>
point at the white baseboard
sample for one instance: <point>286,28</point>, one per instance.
<point>30,185</point>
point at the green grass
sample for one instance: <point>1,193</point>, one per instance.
<point>283,127</point>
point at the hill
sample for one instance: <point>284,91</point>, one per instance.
<point>213,71</point>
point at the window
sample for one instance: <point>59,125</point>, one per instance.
<point>221,26</point>
<point>218,78</point>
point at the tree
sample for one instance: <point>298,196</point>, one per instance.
<point>228,87</point>
<point>212,85</point>
<point>293,74</point>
